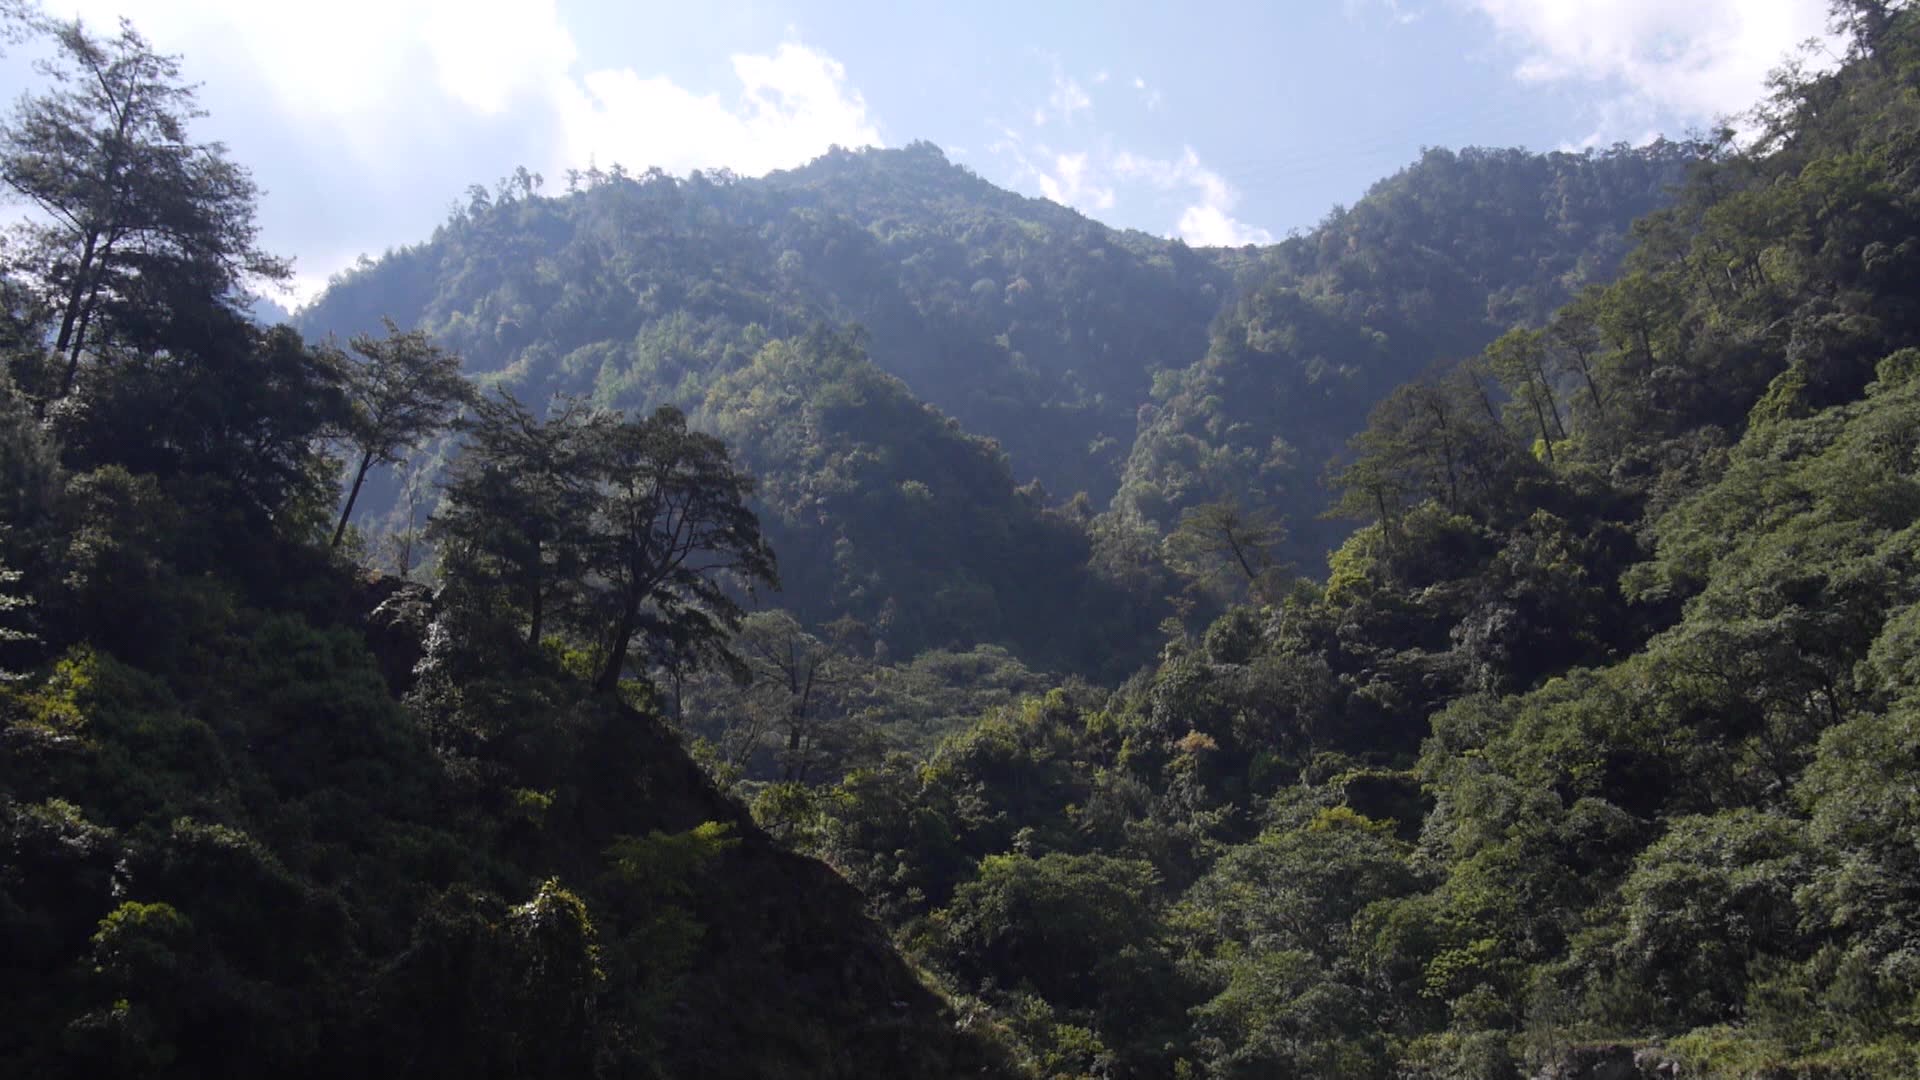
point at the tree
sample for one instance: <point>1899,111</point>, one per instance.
<point>1079,928</point>
<point>629,531</point>
<point>517,509</point>
<point>1221,543</point>
<point>1702,903</point>
<point>1301,887</point>
<point>1864,22</point>
<point>794,675</point>
<point>123,195</point>
<point>1519,361</point>
<point>1439,438</point>
<point>402,389</point>
<point>1574,333</point>
<point>1631,314</point>
<point>672,533</point>
<point>227,418</point>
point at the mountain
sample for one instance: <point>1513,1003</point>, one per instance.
<point>1592,753</point>
<point>1132,369</point>
<point>1431,266</point>
<point>1022,319</point>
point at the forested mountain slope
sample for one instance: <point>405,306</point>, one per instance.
<point>1595,753</point>
<point>1592,753</point>
<point>1082,352</point>
<point>1020,318</point>
<point>264,815</point>
<point>1432,265</point>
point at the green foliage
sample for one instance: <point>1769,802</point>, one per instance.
<point>1059,922</point>
<point>1063,342</point>
<point>1280,1016</point>
<point>1078,931</point>
<point>1433,264</point>
<point>631,533</point>
<point>1222,549</point>
<point>228,846</point>
<point>401,390</point>
<point>887,512</point>
<point>1698,905</point>
<point>1297,889</point>
<point>1602,731</point>
<point>130,206</point>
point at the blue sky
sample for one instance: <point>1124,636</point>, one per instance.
<point>1223,123</point>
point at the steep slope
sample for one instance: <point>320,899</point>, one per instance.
<point>884,510</point>
<point>1430,267</point>
<point>1081,351</point>
<point>1024,320</point>
<point>1596,753</point>
<point>330,839</point>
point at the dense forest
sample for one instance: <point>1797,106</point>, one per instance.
<point>863,622</point>
<point>1118,380</point>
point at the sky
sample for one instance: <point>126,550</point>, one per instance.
<point>1222,123</point>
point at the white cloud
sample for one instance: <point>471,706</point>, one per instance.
<point>1071,184</point>
<point>302,290</point>
<point>1148,96</point>
<point>356,63</point>
<point>1208,221</point>
<point>486,53</point>
<point>1082,169</point>
<point>792,105</point>
<point>1067,98</point>
<point>363,119</point>
<point>355,59</point>
<point>1207,225</point>
<point>1699,59</point>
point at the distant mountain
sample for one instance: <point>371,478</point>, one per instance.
<point>265,311</point>
<point>1140,371</point>
<point>1430,267</point>
<point>1020,318</point>
<point>1595,753</point>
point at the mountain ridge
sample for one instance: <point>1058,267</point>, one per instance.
<point>1092,359</point>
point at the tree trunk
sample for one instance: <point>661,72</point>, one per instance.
<point>536,602</point>
<point>69,316</point>
<point>1546,388</point>
<point>618,644</point>
<point>79,339</point>
<point>1593,390</point>
<point>796,769</point>
<point>353,493</point>
<point>1446,449</point>
<point>1540,416</point>
<point>1239,557</point>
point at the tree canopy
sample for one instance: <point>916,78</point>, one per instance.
<point>125,199</point>
<point>1571,728</point>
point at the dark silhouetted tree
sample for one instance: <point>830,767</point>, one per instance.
<point>403,389</point>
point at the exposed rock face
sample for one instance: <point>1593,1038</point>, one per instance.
<point>396,616</point>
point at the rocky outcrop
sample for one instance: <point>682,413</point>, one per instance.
<point>395,615</point>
